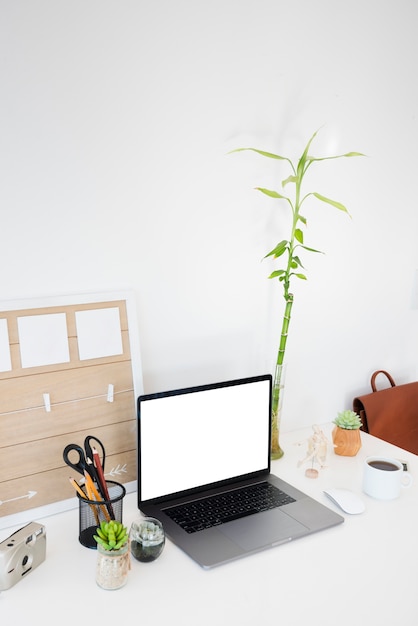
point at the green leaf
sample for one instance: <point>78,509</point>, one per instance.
<point>352,154</point>
<point>337,156</point>
<point>269,155</point>
<point>301,276</point>
<point>279,249</point>
<point>304,158</point>
<point>277,273</point>
<point>289,179</point>
<point>271,193</point>
<point>311,249</point>
<point>299,235</point>
<point>297,260</point>
<point>334,203</point>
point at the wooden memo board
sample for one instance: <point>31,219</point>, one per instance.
<point>69,367</point>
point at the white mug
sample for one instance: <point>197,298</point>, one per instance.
<point>384,477</point>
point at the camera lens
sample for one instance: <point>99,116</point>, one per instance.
<point>25,560</point>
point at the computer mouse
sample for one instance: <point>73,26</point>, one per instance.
<point>347,500</point>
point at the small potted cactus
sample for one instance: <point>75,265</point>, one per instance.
<point>346,433</point>
<point>113,559</point>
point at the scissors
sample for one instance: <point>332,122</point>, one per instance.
<point>85,465</point>
<point>84,456</point>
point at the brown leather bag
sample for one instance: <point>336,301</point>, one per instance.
<point>391,413</point>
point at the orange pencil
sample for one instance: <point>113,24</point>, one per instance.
<point>93,493</point>
<point>77,487</point>
<point>89,484</point>
<point>83,495</point>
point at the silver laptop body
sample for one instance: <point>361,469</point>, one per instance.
<point>208,440</point>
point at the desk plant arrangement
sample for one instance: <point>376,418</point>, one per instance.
<point>113,560</point>
<point>346,433</point>
<point>289,250</point>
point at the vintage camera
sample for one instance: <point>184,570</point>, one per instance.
<point>21,553</point>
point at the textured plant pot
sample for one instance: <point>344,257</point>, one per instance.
<point>112,567</point>
<point>346,442</point>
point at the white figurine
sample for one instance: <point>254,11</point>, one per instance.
<point>317,451</point>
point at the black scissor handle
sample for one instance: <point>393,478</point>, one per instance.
<point>80,465</point>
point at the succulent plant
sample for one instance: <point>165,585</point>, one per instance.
<point>348,420</point>
<point>111,535</point>
<point>147,539</point>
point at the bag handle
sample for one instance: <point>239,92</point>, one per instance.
<point>388,376</point>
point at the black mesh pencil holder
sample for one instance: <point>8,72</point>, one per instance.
<point>92,512</point>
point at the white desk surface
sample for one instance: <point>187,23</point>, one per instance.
<point>364,571</point>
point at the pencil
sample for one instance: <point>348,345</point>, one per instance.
<point>93,493</point>
<point>102,481</point>
<point>77,487</point>
<point>83,495</point>
<point>88,483</point>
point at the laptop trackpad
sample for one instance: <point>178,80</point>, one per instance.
<point>263,529</point>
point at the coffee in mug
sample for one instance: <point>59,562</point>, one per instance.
<point>384,478</point>
<point>384,465</point>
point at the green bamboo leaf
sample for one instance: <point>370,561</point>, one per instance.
<point>278,250</point>
<point>299,235</point>
<point>301,276</point>
<point>337,156</point>
<point>277,273</point>
<point>311,250</point>
<point>297,260</point>
<point>289,179</point>
<point>334,203</point>
<point>269,155</point>
<point>304,158</point>
<point>271,193</point>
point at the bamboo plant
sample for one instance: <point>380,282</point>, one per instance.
<point>290,249</point>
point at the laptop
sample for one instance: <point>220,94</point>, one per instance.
<point>204,472</point>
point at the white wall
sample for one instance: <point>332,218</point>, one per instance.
<point>115,120</point>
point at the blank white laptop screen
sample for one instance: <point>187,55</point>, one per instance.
<point>195,438</point>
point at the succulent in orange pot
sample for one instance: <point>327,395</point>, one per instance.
<point>346,434</point>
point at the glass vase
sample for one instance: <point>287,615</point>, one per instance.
<point>112,567</point>
<point>276,411</point>
<point>147,539</point>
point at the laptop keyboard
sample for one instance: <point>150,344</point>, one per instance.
<point>224,507</point>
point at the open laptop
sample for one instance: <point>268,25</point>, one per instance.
<point>198,448</point>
